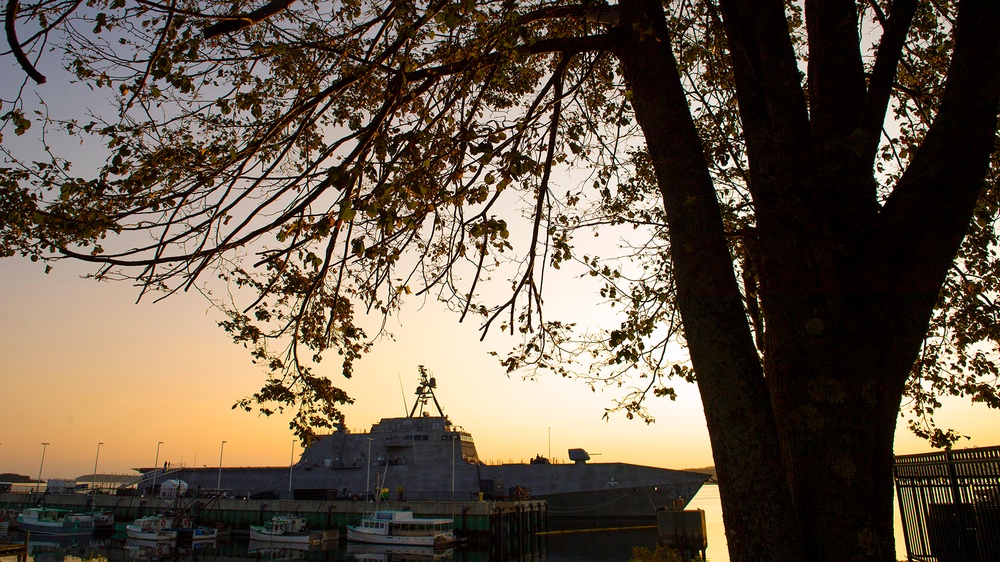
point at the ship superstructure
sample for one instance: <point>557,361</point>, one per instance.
<point>422,456</point>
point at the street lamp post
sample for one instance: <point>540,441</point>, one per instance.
<point>368,473</point>
<point>291,463</point>
<point>454,437</point>
<point>218,485</point>
<point>93,482</point>
<point>40,465</point>
<point>156,461</point>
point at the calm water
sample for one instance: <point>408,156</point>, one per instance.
<point>708,501</point>
<point>591,547</point>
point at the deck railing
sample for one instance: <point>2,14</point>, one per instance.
<point>949,503</point>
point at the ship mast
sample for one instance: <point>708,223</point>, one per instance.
<point>425,392</point>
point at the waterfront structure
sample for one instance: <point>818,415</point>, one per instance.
<point>949,504</point>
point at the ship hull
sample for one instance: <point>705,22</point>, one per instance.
<point>587,495</point>
<point>577,496</point>
<point>605,508</point>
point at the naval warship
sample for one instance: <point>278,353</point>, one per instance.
<point>424,456</point>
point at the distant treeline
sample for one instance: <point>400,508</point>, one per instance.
<point>706,470</point>
<point>106,478</point>
<point>11,477</point>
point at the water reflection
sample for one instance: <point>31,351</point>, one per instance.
<point>391,553</point>
<point>272,551</point>
<point>605,546</point>
<point>589,547</point>
<point>139,549</point>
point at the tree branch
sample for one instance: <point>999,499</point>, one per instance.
<point>836,73</point>
<point>15,46</point>
<point>235,23</point>
<point>925,218</point>
<point>156,54</point>
<point>527,280</point>
<point>883,74</point>
<point>772,103</point>
<point>601,14</point>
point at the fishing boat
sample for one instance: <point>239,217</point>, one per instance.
<point>289,529</point>
<point>157,528</point>
<point>167,528</point>
<point>48,521</point>
<point>401,528</point>
<point>103,520</point>
<point>198,534</point>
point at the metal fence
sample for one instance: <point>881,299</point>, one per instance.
<point>949,503</point>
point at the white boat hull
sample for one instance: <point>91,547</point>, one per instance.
<point>291,538</point>
<point>164,535</point>
<point>167,528</point>
<point>372,538</point>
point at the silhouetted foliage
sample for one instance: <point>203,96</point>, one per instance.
<point>810,186</point>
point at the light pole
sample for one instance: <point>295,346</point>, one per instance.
<point>93,482</point>
<point>156,461</point>
<point>291,463</point>
<point>40,465</point>
<point>454,437</point>
<point>218,485</point>
<point>368,474</point>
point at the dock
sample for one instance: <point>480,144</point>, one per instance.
<point>20,550</point>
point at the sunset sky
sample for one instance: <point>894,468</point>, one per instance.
<point>81,363</point>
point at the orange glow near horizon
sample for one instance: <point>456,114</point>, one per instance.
<point>82,364</point>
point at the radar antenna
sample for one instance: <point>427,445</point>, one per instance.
<point>425,392</point>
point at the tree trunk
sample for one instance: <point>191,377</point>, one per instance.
<point>755,497</point>
<point>803,444</point>
<point>836,392</point>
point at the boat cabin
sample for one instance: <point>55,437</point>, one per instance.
<point>400,523</point>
